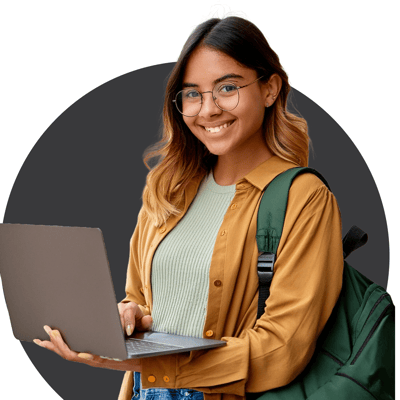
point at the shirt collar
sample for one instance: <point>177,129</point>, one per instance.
<point>262,175</point>
<point>259,177</point>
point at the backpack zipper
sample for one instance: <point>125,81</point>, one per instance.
<point>370,333</point>
<point>376,304</point>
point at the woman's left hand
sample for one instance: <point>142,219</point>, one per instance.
<point>57,344</point>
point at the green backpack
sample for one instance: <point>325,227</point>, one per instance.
<point>354,357</point>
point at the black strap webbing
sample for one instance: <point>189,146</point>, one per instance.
<point>354,239</point>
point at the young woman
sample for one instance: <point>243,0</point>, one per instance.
<point>193,255</point>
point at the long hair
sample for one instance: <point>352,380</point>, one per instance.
<point>180,155</point>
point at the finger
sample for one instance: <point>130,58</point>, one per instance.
<point>121,317</point>
<point>58,344</point>
<point>111,359</point>
<point>130,318</point>
<point>46,344</point>
<point>94,359</point>
<point>40,343</point>
<point>144,324</point>
<point>107,362</point>
<point>125,314</point>
<point>86,356</point>
<point>51,344</point>
<point>121,310</point>
<point>47,329</point>
<point>56,338</point>
<point>54,334</point>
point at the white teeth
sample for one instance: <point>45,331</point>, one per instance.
<point>217,128</point>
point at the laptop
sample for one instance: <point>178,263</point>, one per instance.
<point>60,276</point>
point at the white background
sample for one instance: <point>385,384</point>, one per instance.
<point>342,54</point>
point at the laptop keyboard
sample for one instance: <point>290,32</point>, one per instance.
<point>142,346</point>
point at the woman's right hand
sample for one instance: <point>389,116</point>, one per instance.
<point>133,318</point>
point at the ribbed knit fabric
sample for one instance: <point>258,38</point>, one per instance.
<point>181,264</point>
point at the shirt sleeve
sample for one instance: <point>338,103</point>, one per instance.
<point>134,285</point>
<point>305,287</point>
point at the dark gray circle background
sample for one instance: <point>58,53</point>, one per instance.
<point>87,170</point>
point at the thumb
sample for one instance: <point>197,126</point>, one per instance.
<point>144,324</point>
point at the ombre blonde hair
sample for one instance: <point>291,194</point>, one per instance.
<point>180,155</point>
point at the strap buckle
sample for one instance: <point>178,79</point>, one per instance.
<point>265,266</point>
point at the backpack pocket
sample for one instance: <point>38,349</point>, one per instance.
<point>371,364</point>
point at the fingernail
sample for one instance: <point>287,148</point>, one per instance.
<point>129,330</point>
<point>37,341</point>
<point>86,356</point>
<point>106,358</point>
<point>55,333</point>
<point>47,329</point>
<point>117,359</point>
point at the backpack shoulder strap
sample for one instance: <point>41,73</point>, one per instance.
<point>354,239</point>
<point>270,219</point>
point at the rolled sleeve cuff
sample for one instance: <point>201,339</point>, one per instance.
<point>159,372</point>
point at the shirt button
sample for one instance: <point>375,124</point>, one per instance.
<point>142,291</point>
<point>166,379</point>
<point>233,206</point>
<point>217,282</point>
<point>209,333</point>
<point>223,232</point>
<point>186,394</point>
<point>151,378</point>
<point>162,230</point>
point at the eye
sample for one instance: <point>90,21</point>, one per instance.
<point>191,94</point>
<point>226,89</point>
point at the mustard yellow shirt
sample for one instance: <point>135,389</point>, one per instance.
<point>271,351</point>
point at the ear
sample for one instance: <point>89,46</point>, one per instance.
<point>273,87</point>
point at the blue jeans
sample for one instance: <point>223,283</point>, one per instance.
<point>162,393</point>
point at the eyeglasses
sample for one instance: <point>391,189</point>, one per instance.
<point>225,95</point>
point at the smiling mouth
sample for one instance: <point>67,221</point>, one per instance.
<point>216,129</point>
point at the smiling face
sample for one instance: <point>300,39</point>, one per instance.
<point>234,133</point>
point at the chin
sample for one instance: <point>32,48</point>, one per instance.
<point>216,152</point>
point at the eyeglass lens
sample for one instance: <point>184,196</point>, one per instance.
<point>225,96</point>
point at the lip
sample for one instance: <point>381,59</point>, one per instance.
<point>214,125</point>
<point>217,124</point>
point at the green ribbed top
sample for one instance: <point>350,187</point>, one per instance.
<point>181,263</point>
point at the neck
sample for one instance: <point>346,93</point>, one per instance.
<point>232,167</point>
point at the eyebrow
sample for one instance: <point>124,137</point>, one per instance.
<point>221,79</point>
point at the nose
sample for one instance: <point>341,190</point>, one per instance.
<point>209,108</point>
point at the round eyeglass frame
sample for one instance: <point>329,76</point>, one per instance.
<point>213,97</point>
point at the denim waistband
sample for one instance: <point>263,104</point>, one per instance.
<point>163,393</point>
